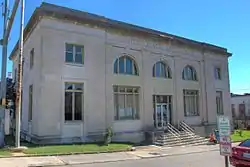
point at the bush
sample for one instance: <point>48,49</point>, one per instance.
<point>239,132</point>
<point>108,136</point>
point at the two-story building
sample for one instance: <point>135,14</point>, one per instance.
<point>240,107</point>
<point>84,73</point>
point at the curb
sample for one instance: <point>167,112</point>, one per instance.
<point>58,155</point>
<point>120,160</point>
<point>178,154</point>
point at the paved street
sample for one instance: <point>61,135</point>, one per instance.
<point>206,159</point>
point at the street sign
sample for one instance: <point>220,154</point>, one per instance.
<point>224,133</point>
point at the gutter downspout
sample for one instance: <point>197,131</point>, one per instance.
<point>205,79</point>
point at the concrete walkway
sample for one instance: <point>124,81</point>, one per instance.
<point>140,153</point>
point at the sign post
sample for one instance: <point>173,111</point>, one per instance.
<point>225,140</point>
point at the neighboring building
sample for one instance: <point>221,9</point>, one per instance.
<point>240,106</point>
<point>84,73</point>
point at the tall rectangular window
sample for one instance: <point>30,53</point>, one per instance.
<point>233,110</point>
<point>191,103</point>
<point>30,102</point>
<point>15,75</point>
<point>32,58</point>
<point>74,93</point>
<point>219,103</point>
<point>126,102</point>
<point>217,73</point>
<point>74,54</point>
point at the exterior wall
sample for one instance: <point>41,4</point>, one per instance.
<point>241,100</point>
<point>30,77</point>
<point>101,49</point>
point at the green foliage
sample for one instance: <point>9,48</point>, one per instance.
<point>11,91</point>
<point>108,136</point>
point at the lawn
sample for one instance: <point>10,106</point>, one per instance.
<point>236,137</point>
<point>33,149</point>
<point>71,149</point>
<point>4,153</point>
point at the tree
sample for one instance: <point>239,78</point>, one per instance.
<point>11,93</point>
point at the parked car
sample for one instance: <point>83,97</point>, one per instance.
<point>241,154</point>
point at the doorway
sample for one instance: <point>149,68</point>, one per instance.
<point>162,111</point>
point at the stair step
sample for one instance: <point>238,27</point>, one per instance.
<point>177,138</point>
<point>182,142</point>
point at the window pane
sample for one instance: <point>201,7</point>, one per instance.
<point>129,90</point>
<point>79,58</point>
<point>169,75</point>
<point>129,107</point>
<point>154,71</point>
<point>135,69</point>
<point>136,90</point>
<point>121,103</point>
<point>116,114</point>
<point>137,107</point>
<point>163,70</point>
<point>157,70</point>
<point>30,102</point>
<point>79,49</point>
<point>68,86</point>
<point>78,106</point>
<point>115,88</point>
<point>69,57</point>
<point>78,86</point>
<point>116,66</point>
<point>69,48</point>
<point>129,67</point>
<point>121,89</point>
<point>68,106</point>
<point>121,65</point>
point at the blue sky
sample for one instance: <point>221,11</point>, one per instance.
<point>225,23</point>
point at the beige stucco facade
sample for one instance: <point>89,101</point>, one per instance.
<point>102,47</point>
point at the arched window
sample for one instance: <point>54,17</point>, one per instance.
<point>161,70</point>
<point>125,65</point>
<point>189,73</point>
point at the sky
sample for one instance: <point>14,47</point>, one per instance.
<point>224,23</point>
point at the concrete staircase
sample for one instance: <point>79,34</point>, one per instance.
<point>174,137</point>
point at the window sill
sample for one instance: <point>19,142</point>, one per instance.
<point>74,64</point>
<point>72,122</point>
<point>192,116</point>
<point>127,120</point>
<point>162,78</point>
<point>128,75</point>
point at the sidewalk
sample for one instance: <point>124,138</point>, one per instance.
<point>140,153</point>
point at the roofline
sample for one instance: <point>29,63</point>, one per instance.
<point>64,13</point>
<point>240,95</point>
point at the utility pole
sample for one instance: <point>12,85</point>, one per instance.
<point>4,43</point>
<point>20,78</point>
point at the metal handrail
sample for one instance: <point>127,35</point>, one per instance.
<point>173,130</point>
<point>187,126</point>
<point>187,130</point>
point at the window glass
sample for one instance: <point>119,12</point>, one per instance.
<point>121,65</point>
<point>78,105</point>
<point>68,106</point>
<point>129,67</point>
<point>245,143</point>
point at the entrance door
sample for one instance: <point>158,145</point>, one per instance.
<point>162,114</point>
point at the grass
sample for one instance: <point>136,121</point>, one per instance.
<point>79,148</point>
<point>236,137</point>
<point>64,149</point>
<point>4,153</point>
